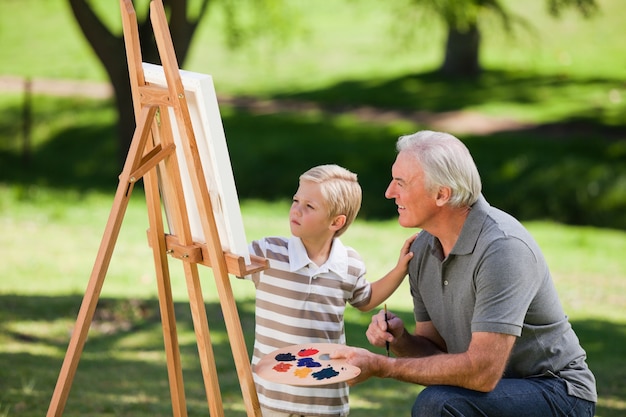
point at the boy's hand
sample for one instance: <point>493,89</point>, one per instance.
<point>405,253</point>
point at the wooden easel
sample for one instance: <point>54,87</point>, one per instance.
<point>153,148</point>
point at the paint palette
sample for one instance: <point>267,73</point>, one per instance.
<point>307,365</point>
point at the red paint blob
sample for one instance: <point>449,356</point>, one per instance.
<point>308,352</point>
<point>282,367</point>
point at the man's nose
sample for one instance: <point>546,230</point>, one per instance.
<point>389,193</point>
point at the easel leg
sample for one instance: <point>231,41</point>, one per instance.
<point>238,344</point>
<point>103,259</point>
<point>205,348</point>
<point>166,303</point>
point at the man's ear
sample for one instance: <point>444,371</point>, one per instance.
<point>443,196</point>
<point>338,222</point>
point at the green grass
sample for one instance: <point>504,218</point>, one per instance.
<point>50,245</point>
<point>565,178</point>
<point>576,177</point>
<point>338,45</point>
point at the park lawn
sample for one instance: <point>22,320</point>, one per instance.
<point>53,212</point>
<point>49,250</point>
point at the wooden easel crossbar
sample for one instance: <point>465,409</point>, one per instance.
<point>152,152</point>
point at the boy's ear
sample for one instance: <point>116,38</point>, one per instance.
<point>338,222</point>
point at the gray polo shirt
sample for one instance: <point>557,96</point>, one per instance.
<point>496,280</point>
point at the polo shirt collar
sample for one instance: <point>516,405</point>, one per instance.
<point>337,261</point>
<point>472,227</point>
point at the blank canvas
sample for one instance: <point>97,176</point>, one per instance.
<point>211,142</point>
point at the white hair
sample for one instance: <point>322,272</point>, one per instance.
<point>446,162</point>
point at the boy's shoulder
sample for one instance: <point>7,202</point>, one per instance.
<point>274,240</point>
<point>269,243</point>
<point>350,252</point>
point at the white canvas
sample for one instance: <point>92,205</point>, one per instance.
<point>211,142</point>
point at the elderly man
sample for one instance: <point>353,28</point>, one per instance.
<point>491,337</point>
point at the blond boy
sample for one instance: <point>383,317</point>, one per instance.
<point>301,298</point>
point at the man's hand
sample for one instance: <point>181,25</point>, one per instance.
<point>369,363</point>
<point>381,331</point>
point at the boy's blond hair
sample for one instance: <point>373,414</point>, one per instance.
<point>340,189</point>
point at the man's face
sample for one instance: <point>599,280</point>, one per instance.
<point>416,205</point>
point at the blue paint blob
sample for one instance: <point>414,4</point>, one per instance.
<point>309,363</point>
<point>285,357</point>
<point>326,373</point>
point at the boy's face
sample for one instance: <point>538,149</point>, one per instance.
<point>308,215</point>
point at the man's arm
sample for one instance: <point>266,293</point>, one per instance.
<point>425,341</point>
<point>479,368</point>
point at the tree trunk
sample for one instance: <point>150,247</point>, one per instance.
<point>111,51</point>
<point>462,52</point>
<point>125,112</point>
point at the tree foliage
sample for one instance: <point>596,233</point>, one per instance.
<point>109,48</point>
<point>250,19</point>
<point>184,16</point>
<point>463,22</point>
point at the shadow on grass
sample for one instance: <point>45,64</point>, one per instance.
<point>605,344</point>
<point>430,91</point>
<point>571,172</point>
<point>122,369</point>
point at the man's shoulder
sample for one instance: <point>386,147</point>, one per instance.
<point>422,241</point>
<point>500,225</point>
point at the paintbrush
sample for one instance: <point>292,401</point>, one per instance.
<point>387,323</point>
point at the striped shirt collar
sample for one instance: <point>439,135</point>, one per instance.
<point>337,261</point>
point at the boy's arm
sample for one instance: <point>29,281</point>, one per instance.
<point>385,286</point>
